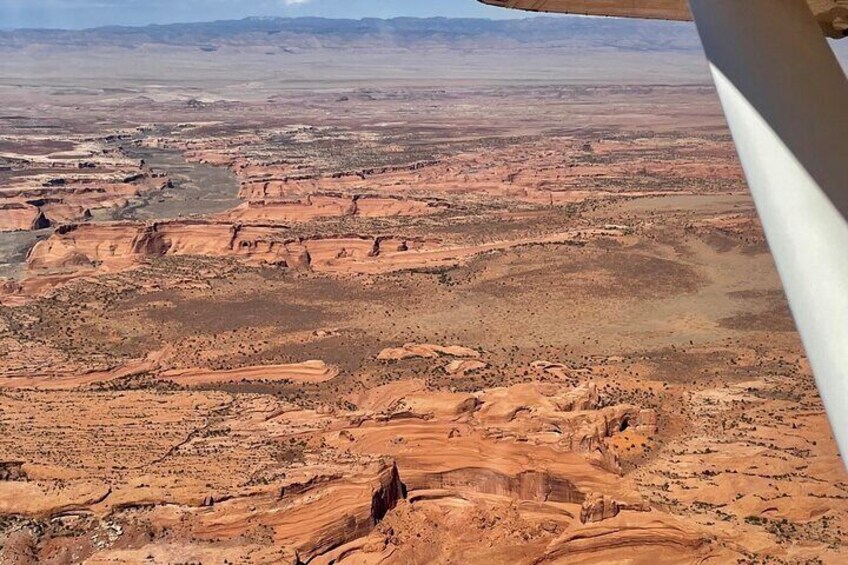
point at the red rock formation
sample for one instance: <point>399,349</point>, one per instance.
<point>426,351</point>
<point>20,216</point>
<point>317,206</point>
<point>123,243</point>
<point>597,508</point>
<point>464,366</point>
<point>306,372</point>
<point>616,538</point>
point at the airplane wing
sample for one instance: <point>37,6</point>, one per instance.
<point>832,15</point>
<point>785,97</point>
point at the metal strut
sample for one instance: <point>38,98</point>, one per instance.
<point>786,101</point>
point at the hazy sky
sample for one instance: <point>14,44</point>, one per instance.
<point>91,13</point>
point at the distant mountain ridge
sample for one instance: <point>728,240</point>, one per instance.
<point>317,33</point>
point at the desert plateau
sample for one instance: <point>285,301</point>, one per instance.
<point>393,292</point>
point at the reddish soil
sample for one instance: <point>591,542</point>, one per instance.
<point>429,333</point>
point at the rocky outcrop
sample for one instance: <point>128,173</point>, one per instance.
<point>573,415</point>
<point>83,244</point>
<point>320,483</point>
<point>426,351</point>
<point>76,249</point>
<point>615,539</point>
<point>598,507</point>
<point>20,216</point>
<point>58,212</point>
<point>531,485</point>
<point>12,471</point>
<point>262,182</point>
<point>124,242</point>
<point>306,372</point>
<point>315,520</point>
<point>55,187</point>
<point>461,367</point>
<point>389,491</point>
<point>317,206</point>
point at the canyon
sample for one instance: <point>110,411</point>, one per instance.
<point>436,317</point>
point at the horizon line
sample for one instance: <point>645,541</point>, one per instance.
<point>529,16</point>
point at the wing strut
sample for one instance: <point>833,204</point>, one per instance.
<point>786,101</point>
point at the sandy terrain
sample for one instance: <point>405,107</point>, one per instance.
<point>494,321</point>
